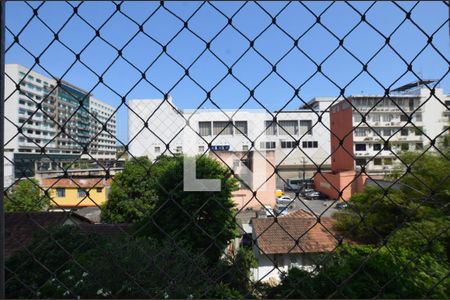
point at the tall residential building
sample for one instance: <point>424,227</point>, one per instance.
<point>408,120</point>
<point>42,114</point>
<point>371,131</point>
<point>103,129</point>
<point>299,139</point>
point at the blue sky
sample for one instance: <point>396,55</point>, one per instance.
<point>273,43</point>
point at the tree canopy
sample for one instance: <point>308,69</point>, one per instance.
<point>365,272</point>
<point>132,194</point>
<point>26,196</point>
<point>203,220</point>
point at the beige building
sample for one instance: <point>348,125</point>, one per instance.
<point>255,171</point>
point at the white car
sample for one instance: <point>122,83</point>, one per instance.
<point>284,200</point>
<point>284,197</point>
<point>269,211</point>
<point>281,210</point>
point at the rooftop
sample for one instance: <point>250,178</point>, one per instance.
<point>280,237</point>
<point>76,182</point>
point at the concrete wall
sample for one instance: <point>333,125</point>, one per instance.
<point>259,178</point>
<point>71,198</point>
<point>346,182</point>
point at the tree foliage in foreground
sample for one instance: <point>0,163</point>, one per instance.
<point>26,196</point>
<point>92,266</point>
<point>203,220</point>
<point>364,272</point>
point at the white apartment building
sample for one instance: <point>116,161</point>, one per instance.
<point>35,109</point>
<point>384,120</point>
<point>299,140</point>
<point>103,129</point>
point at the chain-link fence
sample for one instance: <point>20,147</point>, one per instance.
<point>225,149</point>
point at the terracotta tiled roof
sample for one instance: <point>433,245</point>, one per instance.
<point>76,182</point>
<point>280,237</point>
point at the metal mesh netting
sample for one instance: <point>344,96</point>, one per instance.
<point>225,149</point>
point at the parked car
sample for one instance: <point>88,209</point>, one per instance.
<point>281,210</point>
<point>279,193</point>
<point>341,205</point>
<point>284,197</point>
<point>269,211</point>
<point>284,200</point>
<point>312,195</point>
<point>307,191</point>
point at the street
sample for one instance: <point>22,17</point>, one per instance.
<point>317,206</point>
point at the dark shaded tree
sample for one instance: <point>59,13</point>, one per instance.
<point>200,219</point>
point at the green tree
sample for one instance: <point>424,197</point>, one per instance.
<point>236,271</point>
<point>427,181</point>
<point>72,264</point>
<point>362,272</point>
<point>430,236</point>
<point>131,195</point>
<point>42,261</point>
<point>26,195</point>
<point>375,213</point>
<point>203,220</point>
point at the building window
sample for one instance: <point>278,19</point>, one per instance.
<point>81,193</point>
<point>404,132</point>
<point>375,117</point>
<point>244,147</point>
<point>201,149</point>
<point>179,149</point>
<point>404,118</point>
<point>288,144</point>
<point>386,131</point>
<point>360,132</point>
<point>357,118</point>
<point>361,161</point>
<point>387,147</point>
<point>386,118</point>
<point>376,147</point>
<point>271,128</point>
<point>268,145</point>
<point>241,127</point>
<point>419,146</point>
<point>418,117</point>
<point>60,192</point>
<point>157,149</point>
<point>288,127</point>
<point>388,161</point>
<point>222,127</point>
<point>360,147</point>
<point>418,131</point>
<point>310,144</point>
<point>99,189</point>
<point>377,161</point>
<point>305,127</point>
<point>204,128</point>
<point>405,147</point>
